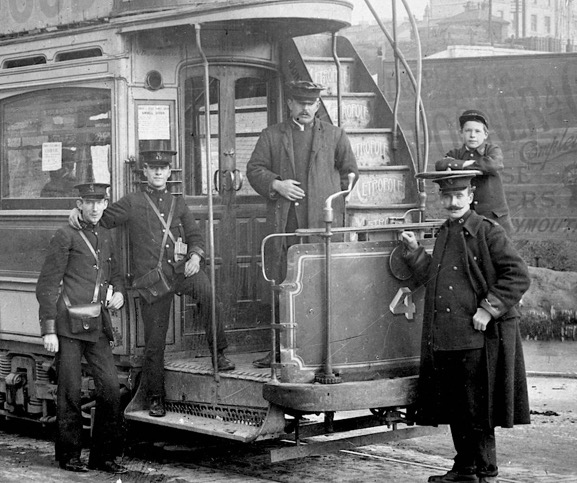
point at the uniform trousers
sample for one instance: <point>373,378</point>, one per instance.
<point>156,317</point>
<point>105,434</point>
<point>463,395</point>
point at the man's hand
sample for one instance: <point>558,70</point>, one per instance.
<point>74,218</point>
<point>289,189</point>
<point>481,319</point>
<point>51,342</point>
<point>410,240</point>
<point>116,301</point>
<point>192,265</point>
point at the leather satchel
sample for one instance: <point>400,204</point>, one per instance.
<point>84,317</point>
<point>152,285</point>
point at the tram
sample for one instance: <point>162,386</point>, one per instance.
<point>87,84</point>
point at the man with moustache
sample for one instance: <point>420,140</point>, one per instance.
<point>472,373</point>
<point>295,166</point>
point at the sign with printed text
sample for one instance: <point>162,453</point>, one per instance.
<point>153,122</point>
<point>24,15</point>
<point>51,156</point>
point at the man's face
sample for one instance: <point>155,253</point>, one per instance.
<point>457,203</point>
<point>303,111</point>
<point>474,133</point>
<point>157,176</point>
<point>91,209</point>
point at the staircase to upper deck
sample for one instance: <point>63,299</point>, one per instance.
<point>386,189</point>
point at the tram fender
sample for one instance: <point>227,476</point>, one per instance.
<point>347,396</point>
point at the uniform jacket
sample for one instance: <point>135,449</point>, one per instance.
<point>489,197</point>
<point>71,262</point>
<point>330,162</point>
<point>498,277</point>
<point>146,231</point>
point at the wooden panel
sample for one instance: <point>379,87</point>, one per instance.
<point>381,189</point>
<point>372,150</point>
<point>357,111</point>
<point>362,287</point>
<point>324,72</point>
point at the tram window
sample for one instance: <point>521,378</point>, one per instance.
<point>24,61</point>
<point>78,54</point>
<point>251,117</point>
<point>49,140</point>
<point>195,122</point>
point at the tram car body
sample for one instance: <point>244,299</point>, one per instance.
<point>88,84</point>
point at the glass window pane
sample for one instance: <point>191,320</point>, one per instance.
<point>251,117</point>
<point>195,121</point>
<point>52,140</point>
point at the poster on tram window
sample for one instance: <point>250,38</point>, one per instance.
<point>51,156</point>
<point>153,122</point>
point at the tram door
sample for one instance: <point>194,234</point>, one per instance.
<point>243,101</point>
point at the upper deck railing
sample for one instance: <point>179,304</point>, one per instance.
<point>422,155</point>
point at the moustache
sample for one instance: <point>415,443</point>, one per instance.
<point>453,208</point>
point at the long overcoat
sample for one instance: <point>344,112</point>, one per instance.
<point>499,277</point>
<point>331,160</point>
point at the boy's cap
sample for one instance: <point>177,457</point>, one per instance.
<point>473,115</point>
<point>451,180</point>
<point>95,191</point>
<point>304,90</point>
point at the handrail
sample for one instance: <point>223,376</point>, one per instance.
<point>209,199</point>
<point>419,107</point>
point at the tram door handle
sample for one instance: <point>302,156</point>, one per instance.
<point>232,179</point>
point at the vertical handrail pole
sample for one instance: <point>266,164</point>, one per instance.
<point>209,200</point>
<point>397,81</point>
<point>338,67</point>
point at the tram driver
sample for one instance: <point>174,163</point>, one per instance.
<point>295,166</point>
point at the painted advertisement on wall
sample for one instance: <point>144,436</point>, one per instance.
<point>531,103</point>
<point>27,15</point>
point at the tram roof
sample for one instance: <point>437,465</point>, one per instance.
<point>306,16</point>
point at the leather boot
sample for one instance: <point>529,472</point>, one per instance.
<point>488,479</point>
<point>224,364</point>
<point>156,407</point>
<point>453,477</point>
<point>263,362</point>
<point>73,464</point>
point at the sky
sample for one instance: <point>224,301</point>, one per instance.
<point>383,7</point>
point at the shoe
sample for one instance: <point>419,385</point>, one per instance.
<point>224,364</point>
<point>156,408</point>
<point>488,479</point>
<point>264,362</point>
<point>73,464</point>
<point>453,477</point>
<point>109,466</point>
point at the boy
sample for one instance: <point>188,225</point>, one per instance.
<point>476,153</point>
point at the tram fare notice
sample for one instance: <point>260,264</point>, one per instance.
<point>51,156</point>
<point>153,122</point>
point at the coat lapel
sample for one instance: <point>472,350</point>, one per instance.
<point>287,144</point>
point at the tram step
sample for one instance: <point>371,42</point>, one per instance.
<point>236,431</point>
<point>357,110</point>
<point>324,71</point>
<point>372,147</point>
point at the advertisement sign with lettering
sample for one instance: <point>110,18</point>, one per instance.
<point>25,15</point>
<point>531,104</point>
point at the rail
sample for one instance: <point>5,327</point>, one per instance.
<point>420,118</point>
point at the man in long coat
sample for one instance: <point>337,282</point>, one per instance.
<point>472,374</point>
<point>295,166</point>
